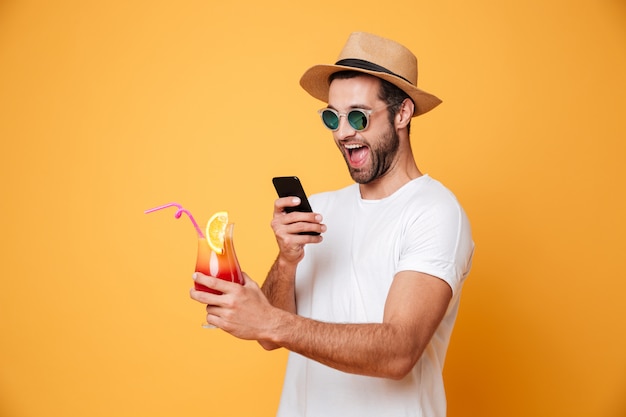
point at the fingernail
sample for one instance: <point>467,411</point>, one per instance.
<point>194,276</point>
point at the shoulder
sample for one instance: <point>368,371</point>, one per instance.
<point>427,196</point>
<point>431,209</point>
<point>427,186</point>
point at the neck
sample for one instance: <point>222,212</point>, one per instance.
<point>399,175</point>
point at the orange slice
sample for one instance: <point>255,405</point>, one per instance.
<point>215,230</point>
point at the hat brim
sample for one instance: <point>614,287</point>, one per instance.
<point>315,82</point>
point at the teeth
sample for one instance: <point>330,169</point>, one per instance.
<point>353,146</point>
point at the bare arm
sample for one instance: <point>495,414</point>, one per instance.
<point>279,285</point>
<point>279,288</point>
<point>415,306</point>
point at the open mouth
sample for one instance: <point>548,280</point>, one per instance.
<point>357,153</point>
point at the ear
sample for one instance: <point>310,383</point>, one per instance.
<point>404,115</point>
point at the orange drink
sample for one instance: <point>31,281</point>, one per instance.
<point>216,252</point>
<point>220,265</point>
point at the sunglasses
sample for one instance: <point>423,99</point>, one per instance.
<point>359,119</point>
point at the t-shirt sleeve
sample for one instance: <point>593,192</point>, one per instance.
<point>438,242</point>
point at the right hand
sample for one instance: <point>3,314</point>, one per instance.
<point>286,227</point>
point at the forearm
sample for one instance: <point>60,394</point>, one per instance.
<point>415,306</point>
<point>279,286</point>
<point>373,349</point>
<point>279,289</point>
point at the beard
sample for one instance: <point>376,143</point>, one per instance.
<point>381,159</point>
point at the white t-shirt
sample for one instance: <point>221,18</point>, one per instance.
<point>346,278</point>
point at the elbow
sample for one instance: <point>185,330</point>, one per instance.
<point>401,366</point>
<point>399,371</point>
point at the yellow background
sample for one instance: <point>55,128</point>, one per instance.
<point>109,108</point>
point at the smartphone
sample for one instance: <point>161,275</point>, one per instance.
<point>290,187</point>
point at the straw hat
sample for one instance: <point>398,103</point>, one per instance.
<point>377,56</point>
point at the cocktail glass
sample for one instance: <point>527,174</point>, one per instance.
<point>220,265</point>
<point>224,266</point>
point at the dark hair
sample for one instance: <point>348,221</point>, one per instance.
<point>389,93</point>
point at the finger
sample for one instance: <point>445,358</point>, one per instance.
<point>213,282</point>
<point>302,221</point>
<point>304,227</point>
<point>203,297</point>
<point>281,203</point>
<point>213,320</point>
<point>304,216</point>
<point>202,279</point>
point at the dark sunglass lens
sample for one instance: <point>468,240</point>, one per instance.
<point>357,119</point>
<point>330,119</point>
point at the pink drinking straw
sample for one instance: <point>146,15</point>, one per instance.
<point>179,213</point>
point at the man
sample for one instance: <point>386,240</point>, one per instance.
<point>367,308</point>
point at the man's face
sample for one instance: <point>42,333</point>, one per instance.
<point>369,153</point>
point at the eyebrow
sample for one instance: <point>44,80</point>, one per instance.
<point>352,107</point>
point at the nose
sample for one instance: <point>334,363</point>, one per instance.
<point>345,130</point>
